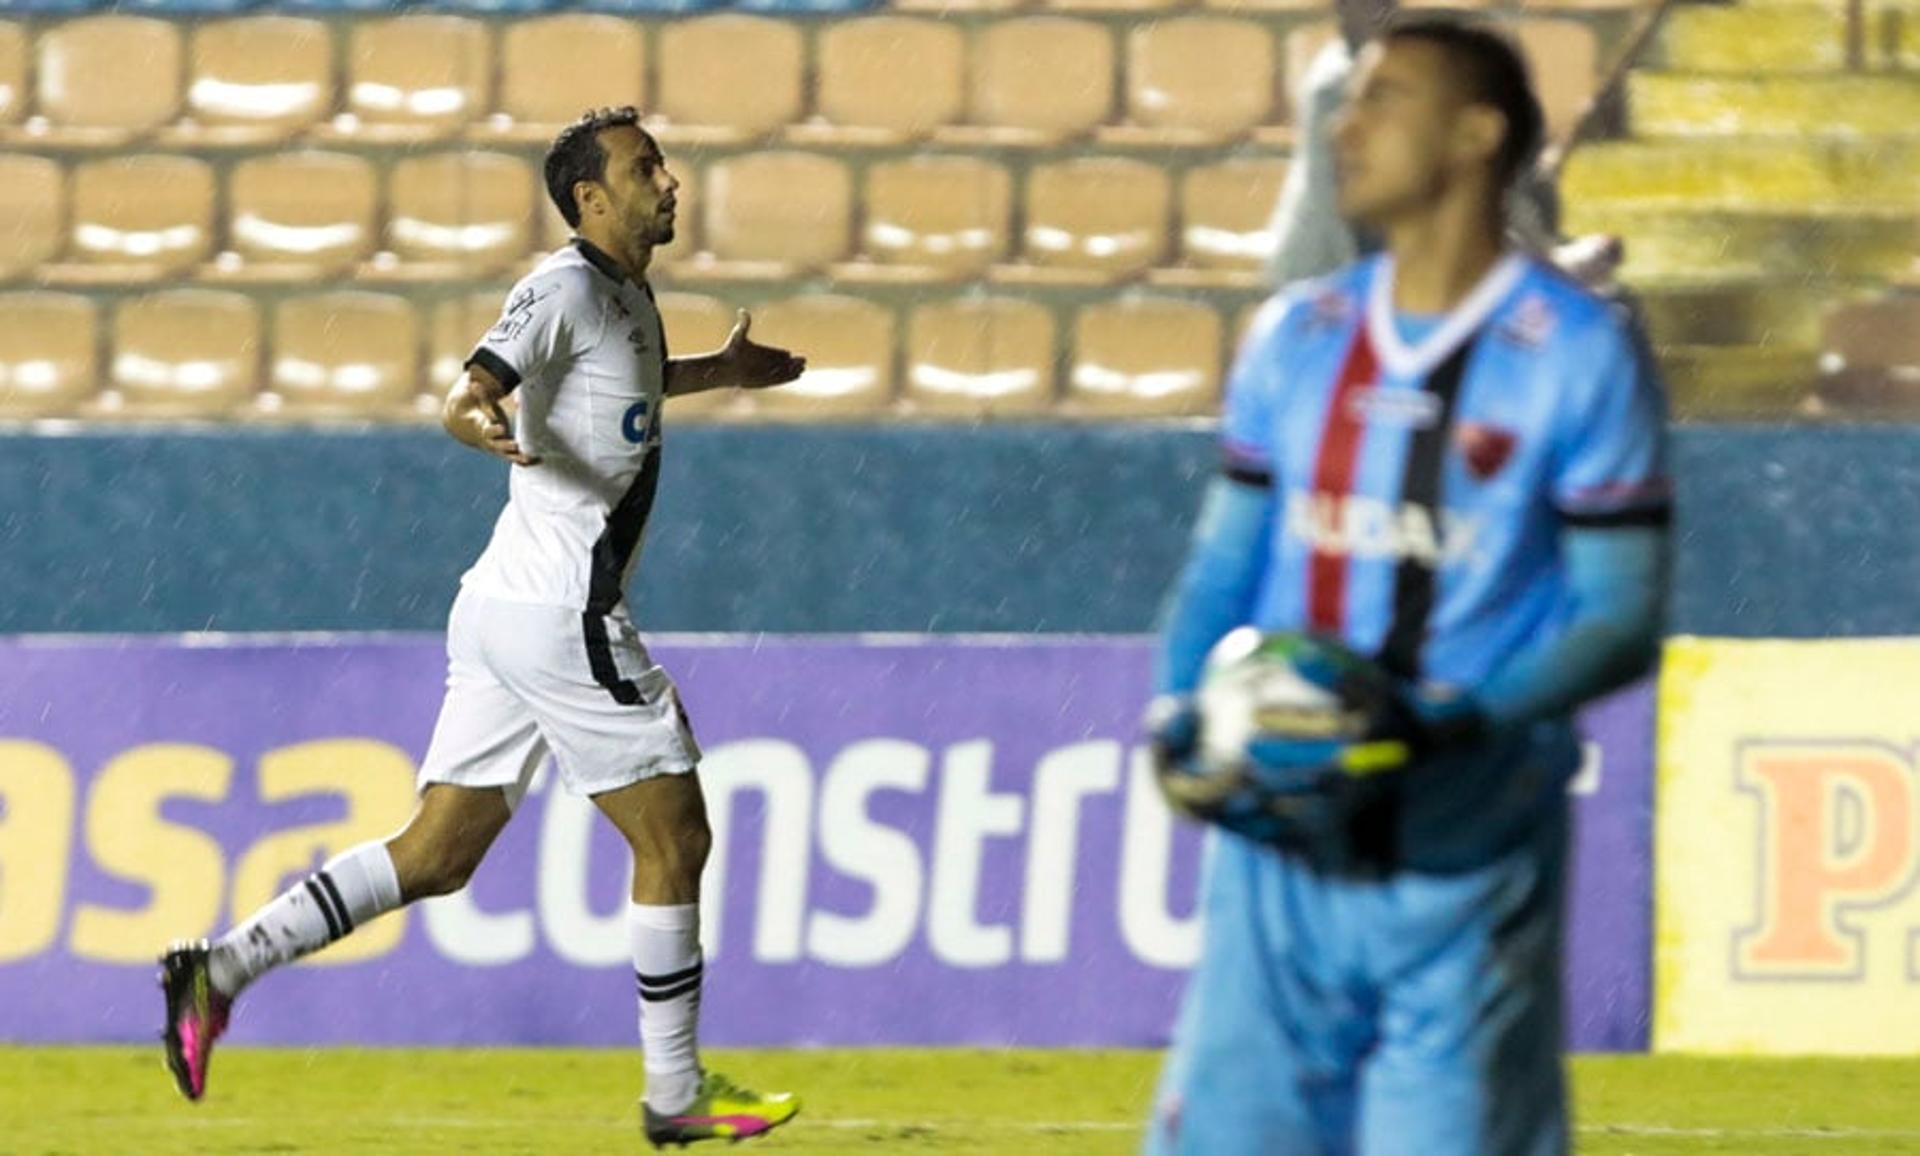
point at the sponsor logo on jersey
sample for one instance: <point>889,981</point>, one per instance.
<point>1485,448</point>
<point>1400,408</point>
<point>515,318</point>
<point>1530,324</point>
<point>1367,528</point>
<point>637,424</point>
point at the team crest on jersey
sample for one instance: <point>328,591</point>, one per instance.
<point>1485,448</point>
<point>637,337</point>
<point>1530,323</point>
<point>1331,309</point>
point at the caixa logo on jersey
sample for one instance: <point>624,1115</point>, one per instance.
<point>641,423</point>
<point>1361,527</point>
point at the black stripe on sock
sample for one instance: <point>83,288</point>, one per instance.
<point>339,904</point>
<point>1421,481</point>
<point>652,996</point>
<point>671,977</point>
<point>326,912</point>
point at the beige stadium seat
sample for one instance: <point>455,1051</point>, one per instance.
<point>1145,357</point>
<point>1226,225</point>
<point>933,219</point>
<point>255,80</point>
<point>346,354</point>
<point>697,324</point>
<point>773,215</point>
<point>553,68</point>
<point>458,325</point>
<point>1145,9</point>
<point>104,82</point>
<point>1564,59</point>
<point>298,216</point>
<point>980,357</point>
<point>33,203</point>
<point>184,353</point>
<point>135,219</point>
<point>1094,220</point>
<point>885,80</point>
<point>1198,80</point>
<point>1870,357</point>
<point>414,78</point>
<point>950,8</point>
<point>729,78</point>
<point>48,354</point>
<point>13,73</point>
<point>457,214</point>
<point>1036,81</point>
<point>849,346</point>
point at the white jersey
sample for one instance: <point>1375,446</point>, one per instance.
<point>580,344</point>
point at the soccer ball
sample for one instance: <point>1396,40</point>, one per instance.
<point>1280,684</point>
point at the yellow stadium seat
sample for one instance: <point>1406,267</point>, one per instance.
<point>48,359</point>
<point>1564,59</point>
<point>255,80</point>
<point>1145,357</point>
<point>184,353</point>
<point>13,73</point>
<point>414,78</point>
<point>1226,224</point>
<point>1197,80</point>
<point>980,357</point>
<point>456,214</point>
<point>885,80</point>
<point>849,347</point>
<point>1036,81</point>
<point>1144,9</point>
<point>933,219</point>
<point>729,78</point>
<point>1093,220</point>
<point>104,82</point>
<point>33,203</point>
<point>345,354</point>
<point>697,324</point>
<point>136,219</point>
<point>772,216</point>
<point>298,216</point>
<point>553,68</point>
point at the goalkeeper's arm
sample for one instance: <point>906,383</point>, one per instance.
<point>1217,589</point>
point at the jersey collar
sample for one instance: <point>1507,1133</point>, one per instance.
<point>1401,360</point>
<point>599,259</point>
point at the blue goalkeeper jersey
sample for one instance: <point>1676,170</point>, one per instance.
<point>1424,472</point>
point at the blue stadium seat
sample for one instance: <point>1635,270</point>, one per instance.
<point>185,7</point>
<point>650,7</point>
<point>369,6</point>
<point>506,7</point>
<point>806,7</point>
<point>11,7</point>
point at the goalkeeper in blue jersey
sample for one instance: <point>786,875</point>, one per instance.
<point>1448,457</point>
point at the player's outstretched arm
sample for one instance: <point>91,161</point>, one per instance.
<point>474,416</point>
<point>739,364</point>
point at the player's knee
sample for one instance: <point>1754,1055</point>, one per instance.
<point>433,869</point>
<point>677,852</point>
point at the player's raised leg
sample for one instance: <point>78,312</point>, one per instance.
<point>664,820</point>
<point>434,855</point>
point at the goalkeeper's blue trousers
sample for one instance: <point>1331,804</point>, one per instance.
<point>1411,1015</point>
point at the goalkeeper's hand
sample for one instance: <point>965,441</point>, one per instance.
<point>1408,729</point>
<point>1172,726</point>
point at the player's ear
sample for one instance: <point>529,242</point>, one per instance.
<point>1479,132</point>
<point>590,197</point>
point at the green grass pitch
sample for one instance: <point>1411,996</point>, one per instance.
<point>118,1102</point>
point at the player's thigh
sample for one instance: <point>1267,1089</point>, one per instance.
<point>486,736</point>
<point>1469,1060</point>
<point>1267,1045</point>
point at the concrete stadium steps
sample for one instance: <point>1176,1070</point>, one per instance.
<point>1736,381</point>
<point>1674,104</point>
<point>1785,37</point>
<point>1875,175</point>
<point>1792,244</point>
<point>1738,311</point>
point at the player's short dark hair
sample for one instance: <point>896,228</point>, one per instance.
<point>577,155</point>
<point>1490,70</point>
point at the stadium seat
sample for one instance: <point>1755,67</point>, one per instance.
<point>1145,9</point>
<point>885,80</point>
<point>1258,7</point>
<point>414,78</point>
<point>104,82</point>
<point>650,7</point>
<point>499,7</point>
<point>456,214</point>
<point>728,79</point>
<point>806,7</point>
<point>848,344</point>
<point>345,354</point>
<point>933,218</point>
<point>695,324</point>
<point>13,72</point>
<point>51,7</point>
<point>1036,81</point>
<point>184,7</point>
<point>772,216</point>
<point>946,8</point>
<point>980,357</point>
<point>1870,359</point>
<point>1145,357</point>
<point>555,67</point>
<point>255,80</point>
<point>1092,220</point>
<point>135,219</point>
<point>458,325</point>
<point>1226,224</point>
<point>184,353</point>
<point>299,216</point>
<point>1197,80</point>
<point>1564,59</point>
<point>48,360</point>
<point>1303,45</point>
<point>33,202</point>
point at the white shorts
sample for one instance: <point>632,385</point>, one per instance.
<point>524,681</point>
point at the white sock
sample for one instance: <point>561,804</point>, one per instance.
<point>353,887</point>
<point>666,963</point>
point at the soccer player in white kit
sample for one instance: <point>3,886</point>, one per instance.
<point>542,656</point>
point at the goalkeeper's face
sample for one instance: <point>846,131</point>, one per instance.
<point>1395,139</point>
